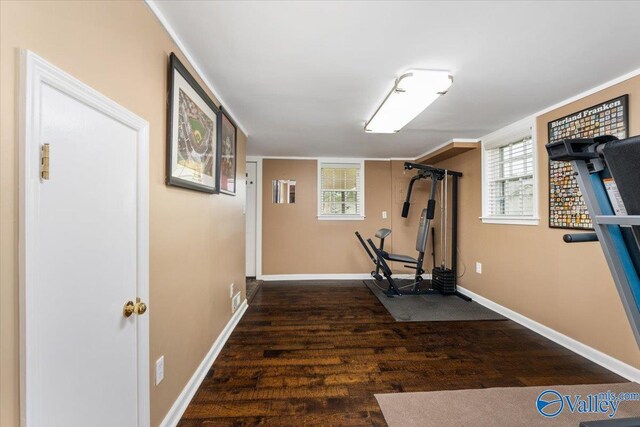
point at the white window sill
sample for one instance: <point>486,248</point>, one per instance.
<point>340,218</point>
<point>510,220</point>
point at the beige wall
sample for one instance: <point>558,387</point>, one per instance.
<point>530,270</point>
<point>196,240</point>
<point>294,241</point>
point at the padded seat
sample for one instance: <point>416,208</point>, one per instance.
<point>399,258</point>
<point>383,233</point>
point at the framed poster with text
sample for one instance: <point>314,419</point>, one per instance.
<point>567,208</point>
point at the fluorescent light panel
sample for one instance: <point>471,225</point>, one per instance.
<point>414,91</point>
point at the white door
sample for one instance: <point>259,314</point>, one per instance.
<point>252,184</point>
<point>85,256</point>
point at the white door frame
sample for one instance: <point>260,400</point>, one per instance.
<point>258,243</point>
<point>34,72</point>
<point>255,215</point>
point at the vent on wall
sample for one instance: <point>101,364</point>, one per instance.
<point>235,302</point>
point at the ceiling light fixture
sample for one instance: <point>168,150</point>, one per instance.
<point>412,92</point>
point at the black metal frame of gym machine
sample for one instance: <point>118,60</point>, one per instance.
<point>435,174</point>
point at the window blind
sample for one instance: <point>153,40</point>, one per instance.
<point>510,174</point>
<point>340,189</point>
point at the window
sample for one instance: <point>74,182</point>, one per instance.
<point>340,189</point>
<point>509,176</point>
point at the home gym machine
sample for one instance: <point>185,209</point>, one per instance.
<point>444,279</point>
<point>607,172</point>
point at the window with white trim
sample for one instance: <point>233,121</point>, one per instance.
<point>509,176</point>
<point>340,189</point>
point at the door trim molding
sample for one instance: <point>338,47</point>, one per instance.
<point>258,243</point>
<point>34,72</point>
<point>182,402</point>
<point>255,208</point>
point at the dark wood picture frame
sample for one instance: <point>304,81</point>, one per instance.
<point>223,187</point>
<point>577,116</point>
<point>176,68</point>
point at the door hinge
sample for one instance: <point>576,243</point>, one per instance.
<point>44,162</point>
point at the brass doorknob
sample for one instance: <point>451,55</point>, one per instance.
<point>129,307</point>
<point>140,307</point>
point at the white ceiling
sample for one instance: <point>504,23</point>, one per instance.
<point>303,77</point>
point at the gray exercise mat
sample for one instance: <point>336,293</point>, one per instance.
<point>430,308</point>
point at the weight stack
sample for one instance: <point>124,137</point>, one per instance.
<point>443,280</point>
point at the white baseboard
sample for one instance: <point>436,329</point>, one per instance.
<point>614,365</point>
<point>180,405</point>
<point>274,277</point>
<point>356,276</point>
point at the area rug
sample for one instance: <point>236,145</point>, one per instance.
<point>514,406</point>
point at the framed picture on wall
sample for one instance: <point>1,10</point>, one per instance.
<point>192,133</point>
<point>567,208</point>
<point>228,154</point>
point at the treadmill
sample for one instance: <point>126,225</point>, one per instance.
<point>608,173</point>
<point>609,178</point>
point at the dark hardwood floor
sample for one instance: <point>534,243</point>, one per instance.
<point>317,354</point>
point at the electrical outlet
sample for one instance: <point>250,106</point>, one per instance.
<point>235,302</point>
<point>384,214</point>
<point>159,370</point>
<point>231,290</point>
<point>479,267</point>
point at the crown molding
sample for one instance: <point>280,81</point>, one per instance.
<point>174,36</point>
<point>588,92</point>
